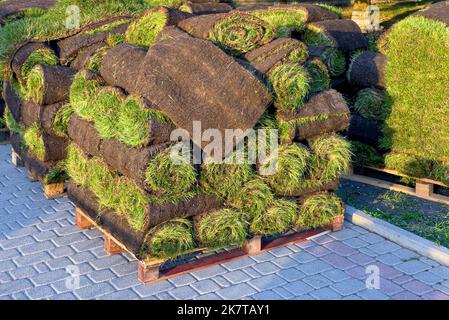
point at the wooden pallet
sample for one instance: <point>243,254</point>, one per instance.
<point>151,271</point>
<point>424,188</point>
<point>51,191</point>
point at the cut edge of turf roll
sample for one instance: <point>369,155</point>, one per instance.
<point>277,219</point>
<point>285,20</point>
<point>83,91</point>
<point>319,210</point>
<point>331,157</point>
<point>290,165</point>
<point>371,104</point>
<point>34,141</point>
<point>291,85</point>
<point>222,228</point>
<point>169,239</point>
<point>238,33</point>
<point>318,74</point>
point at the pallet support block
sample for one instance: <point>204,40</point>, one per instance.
<point>16,159</point>
<point>253,246</point>
<point>423,189</point>
<point>54,190</point>
<point>337,223</point>
<point>148,272</point>
<point>82,221</point>
<point>111,246</point>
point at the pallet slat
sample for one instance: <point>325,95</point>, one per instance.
<point>424,188</point>
<point>149,271</point>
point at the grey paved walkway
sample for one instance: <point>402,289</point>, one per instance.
<point>40,247</point>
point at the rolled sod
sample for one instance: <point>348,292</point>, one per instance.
<point>221,228</point>
<point>411,165</point>
<point>205,7</point>
<point>132,162</point>
<point>174,70</point>
<point>290,166</point>
<point>324,112</point>
<point>44,146</point>
<point>83,92</point>
<point>235,32</point>
<point>169,239</point>
<point>60,120</point>
<point>171,33</point>
<point>44,116</point>
<point>239,33</point>
<point>344,35</point>
<point>365,130</point>
<point>331,157</point>
<point>105,110</point>
<point>141,125</point>
<point>372,104</point>
<point>168,173</point>
<point>277,52</point>
<point>334,59</point>
<point>12,124</point>
<point>97,32</point>
<point>83,133</point>
<point>9,8</point>
<point>319,75</point>
<point>122,195</point>
<point>225,179</point>
<point>122,65</point>
<point>365,155</point>
<point>30,55</point>
<point>254,197</point>
<point>291,85</point>
<point>306,13</point>
<point>12,100</point>
<point>367,70</point>
<point>81,61</point>
<point>144,31</point>
<point>277,219</point>
<point>319,210</point>
<point>409,129</point>
<point>49,84</point>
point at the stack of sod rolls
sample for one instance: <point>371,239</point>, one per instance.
<point>369,105</point>
<point>405,97</point>
<point>13,11</point>
<point>134,80</point>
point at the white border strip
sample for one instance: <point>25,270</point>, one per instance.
<point>400,236</point>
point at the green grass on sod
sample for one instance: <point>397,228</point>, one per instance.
<point>61,120</point>
<point>253,198</point>
<point>52,23</point>
<point>365,155</point>
<point>372,104</point>
<point>277,219</point>
<point>41,56</point>
<point>319,210</point>
<point>34,141</point>
<point>143,32</point>
<point>319,75</point>
<point>291,165</point>
<point>411,165</point>
<point>331,157</point>
<point>170,239</point>
<point>291,85</point>
<point>416,76</point>
<point>222,228</point>
<point>239,33</point>
<point>12,124</point>
<point>284,21</point>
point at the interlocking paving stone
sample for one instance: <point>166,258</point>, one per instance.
<point>325,294</point>
<point>406,295</point>
<point>417,287</point>
<point>412,267</point>
<point>206,286</point>
<point>428,277</point>
<point>347,287</point>
<point>236,292</point>
<point>317,281</point>
<point>39,244</point>
<point>373,294</point>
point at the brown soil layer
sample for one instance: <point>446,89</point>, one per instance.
<point>368,70</point>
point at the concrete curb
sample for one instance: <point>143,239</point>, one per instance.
<point>400,236</point>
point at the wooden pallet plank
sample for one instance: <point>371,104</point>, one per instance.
<point>112,246</point>
<point>82,220</point>
<point>422,193</point>
<point>54,190</point>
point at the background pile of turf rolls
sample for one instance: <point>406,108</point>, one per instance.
<point>78,112</point>
<point>400,100</point>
